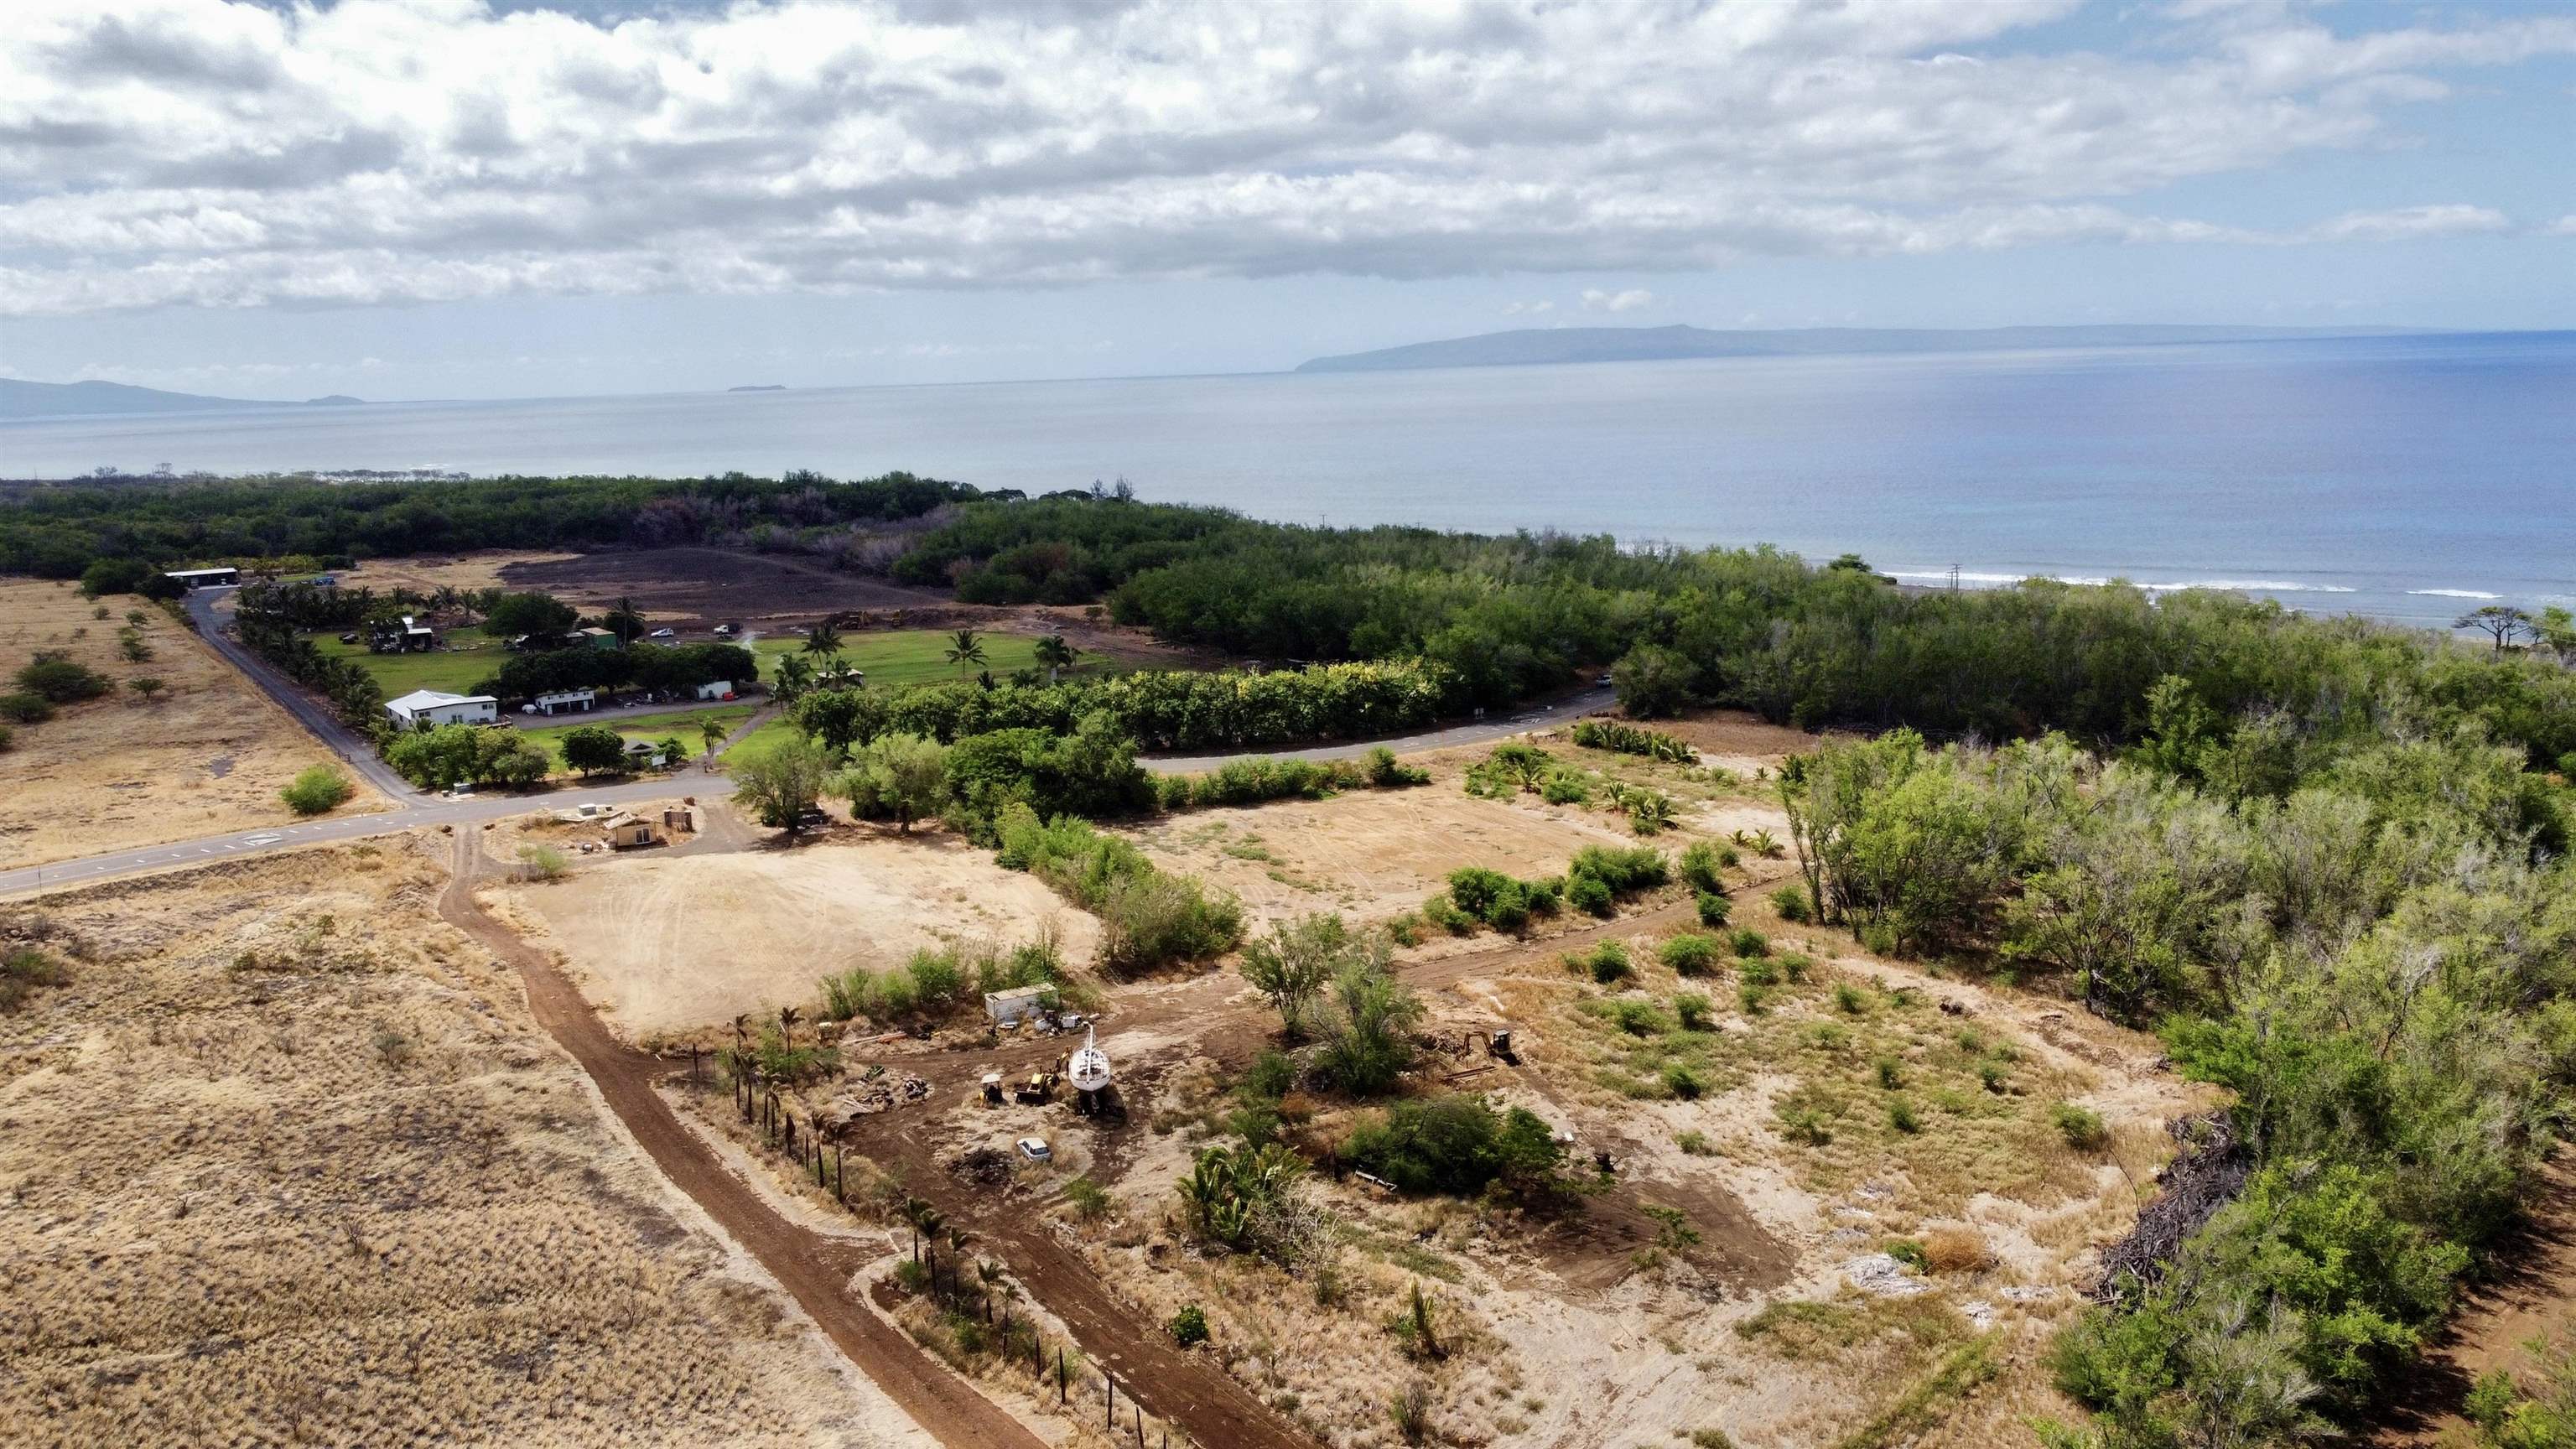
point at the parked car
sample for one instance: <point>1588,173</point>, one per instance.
<point>348,638</point>
<point>1035,1149</point>
<point>666,634</point>
<point>725,629</point>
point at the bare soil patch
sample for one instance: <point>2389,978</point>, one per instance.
<point>427,573</point>
<point>206,756</point>
<point>664,941</point>
<point>695,589</point>
<point>289,1162</point>
<point>1369,854</point>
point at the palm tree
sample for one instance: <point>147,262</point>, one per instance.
<point>965,647</point>
<point>712,732</point>
<point>624,622</point>
<point>787,1019</point>
<point>1055,654</point>
<point>824,639</point>
<point>791,677</point>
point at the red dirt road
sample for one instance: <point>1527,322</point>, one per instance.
<point>810,1265</point>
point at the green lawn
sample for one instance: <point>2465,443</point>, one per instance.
<point>891,660</point>
<point>464,660</point>
<point>759,742</point>
<point>897,658</point>
<point>652,729</point>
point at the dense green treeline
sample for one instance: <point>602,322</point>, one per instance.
<point>1158,709</point>
<point>56,531</point>
<point>1500,618</point>
<point>2366,933</point>
<point>1489,619</point>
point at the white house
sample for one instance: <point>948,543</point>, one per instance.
<point>203,578</point>
<point>437,707</point>
<point>561,700</point>
<point>716,689</point>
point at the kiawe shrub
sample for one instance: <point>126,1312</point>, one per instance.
<point>317,789</point>
<point>1699,868</point>
<point>1149,918</point>
<point>1387,773</point>
<point>1689,954</point>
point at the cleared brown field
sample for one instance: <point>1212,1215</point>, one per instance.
<point>1369,854</point>
<point>205,757</point>
<point>666,942</point>
<point>289,1164</point>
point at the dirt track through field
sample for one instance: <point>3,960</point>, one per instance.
<point>809,1265</point>
<point>1188,1391</point>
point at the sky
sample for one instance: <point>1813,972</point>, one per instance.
<point>455,198</point>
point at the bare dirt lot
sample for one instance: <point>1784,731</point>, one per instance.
<point>666,942</point>
<point>205,756</point>
<point>289,1163</point>
<point>1369,854</point>
<point>695,589</point>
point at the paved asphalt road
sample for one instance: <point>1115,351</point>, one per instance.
<point>310,713</point>
<point>413,809</point>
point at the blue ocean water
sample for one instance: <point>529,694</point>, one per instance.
<point>2403,477</point>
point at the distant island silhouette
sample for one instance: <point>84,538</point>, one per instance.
<point>1535,345</point>
<point>760,387</point>
<point>23,399</point>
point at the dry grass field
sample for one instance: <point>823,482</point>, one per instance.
<point>1770,1312</point>
<point>205,757</point>
<point>1369,854</point>
<point>663,942</point>
<point>1853,1197</point>
<point>286,1162</point>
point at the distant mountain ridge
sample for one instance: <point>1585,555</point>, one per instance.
<point>1536,345</point>
<point>23,399</point>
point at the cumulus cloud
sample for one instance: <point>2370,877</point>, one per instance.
<point>159,152</point>
<point>1596,300</point>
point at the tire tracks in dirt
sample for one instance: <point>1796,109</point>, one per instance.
<point>811,1266</point>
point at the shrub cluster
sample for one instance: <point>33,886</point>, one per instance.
<point>1516,768</point>
<point>1457,1144</point>
<point>318,790</point>
<point>1628,739</point>
<point>1477,895</point>
<point>1594,882</point>
<point>1149,918</point>
<point>937,983</point>
<point>22,970</point>
<point>55,679</point>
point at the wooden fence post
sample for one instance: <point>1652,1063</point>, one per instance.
<point>1112,1386</point>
